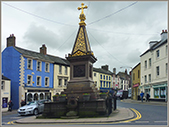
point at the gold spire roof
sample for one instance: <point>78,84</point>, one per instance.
<point>81,45</point>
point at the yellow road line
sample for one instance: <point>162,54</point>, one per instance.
<point>10,122</point>
<point>138,116</point>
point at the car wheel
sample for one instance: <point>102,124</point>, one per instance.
<point>36,112</point>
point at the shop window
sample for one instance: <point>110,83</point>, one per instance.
<point>30,97</point>
<point>35,96</point>
<point>162,92</point>
<point>4,102</point>
<point>156,93</point>
<point>41,96</point>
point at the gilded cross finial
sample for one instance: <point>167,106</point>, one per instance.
<point>82,15</point>
<point>81,8</point>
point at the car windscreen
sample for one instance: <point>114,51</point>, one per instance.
<point>32,103</point>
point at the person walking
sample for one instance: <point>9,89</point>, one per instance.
<point>10,104</point>
<point>23,103</point>
<point>147,97</point>
<point>141,95</point>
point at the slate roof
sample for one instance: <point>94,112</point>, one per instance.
<point>155,46</point>
<point>5,78</point>
<point>102,71</point>
<point>40,56</point>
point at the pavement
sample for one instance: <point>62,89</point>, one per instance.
<point>121,114</point>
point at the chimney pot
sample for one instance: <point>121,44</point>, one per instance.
<point>162,31</point>
<point>166,31</point>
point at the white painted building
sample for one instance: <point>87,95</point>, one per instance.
<point>5,92</point>
<point>154,67</point>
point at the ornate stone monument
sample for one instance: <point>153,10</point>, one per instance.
<point>82,96</point>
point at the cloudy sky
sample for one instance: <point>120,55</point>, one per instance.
<point>119,32</point>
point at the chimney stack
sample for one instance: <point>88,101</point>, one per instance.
<point>164,35</point>
<point>43,49</point>
<point>105,67</point>
<point>11,40</point>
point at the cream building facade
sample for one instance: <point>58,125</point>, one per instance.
<point>154,67</point>
<point>61,78</point>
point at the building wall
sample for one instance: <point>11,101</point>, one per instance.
<point>157,86</point>
<point>105,81</point>
<point>10,69</point>
<point>136,81</point>
<point>6,94</point>
<point>62,76</point>
<point>96,79</point>
<point>34,73</point>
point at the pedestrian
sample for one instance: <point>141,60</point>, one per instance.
<point>147,97</point>
<point>23,103</point>
<point>10,104</point>
<point>141,95</point>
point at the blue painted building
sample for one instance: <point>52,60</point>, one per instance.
<point>31,73</point>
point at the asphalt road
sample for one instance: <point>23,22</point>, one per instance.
<point>150,115</point>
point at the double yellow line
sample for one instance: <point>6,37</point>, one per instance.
<point>10,122</point>
<point>138,116</point>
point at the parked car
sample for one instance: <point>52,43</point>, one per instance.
<point>34,107</point>
<point>122,94</point>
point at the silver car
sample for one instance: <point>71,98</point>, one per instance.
<point>34,107</point>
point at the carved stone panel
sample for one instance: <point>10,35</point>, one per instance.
<point>79,70</point>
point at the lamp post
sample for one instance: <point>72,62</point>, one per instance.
<point>130,79</point>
